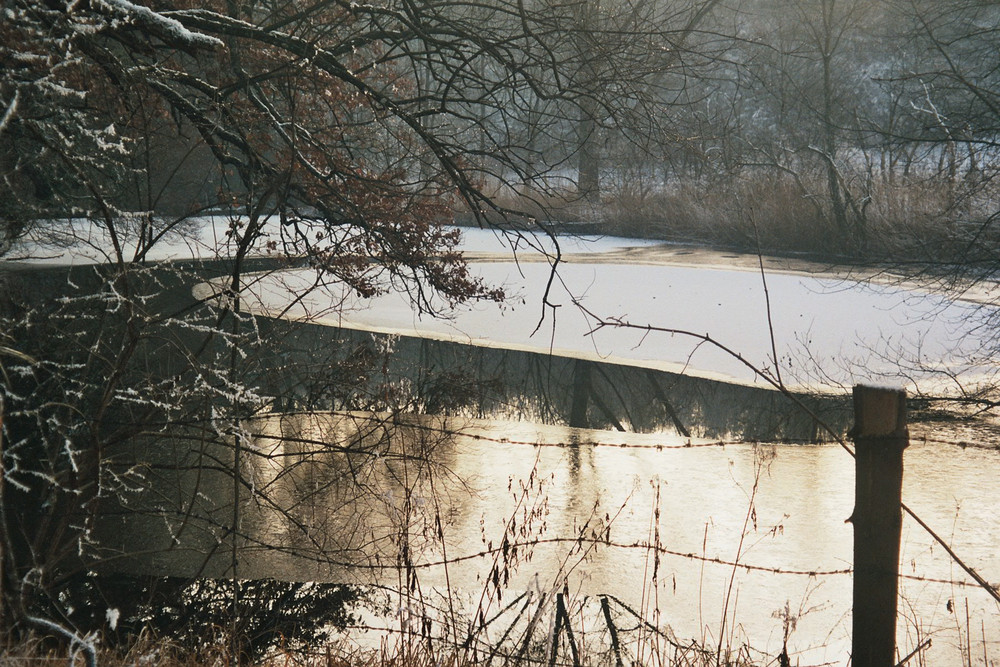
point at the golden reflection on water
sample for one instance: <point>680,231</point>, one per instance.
<point>373,498</point>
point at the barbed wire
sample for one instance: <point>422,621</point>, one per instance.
<point>714,560</point>
<point>689,444</point>
<point>470,432</point>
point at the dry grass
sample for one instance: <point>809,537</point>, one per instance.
<point>914,218</point>
<point>36,651</point>
<point>161,653</point>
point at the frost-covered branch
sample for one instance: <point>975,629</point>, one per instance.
<point>76,642</point>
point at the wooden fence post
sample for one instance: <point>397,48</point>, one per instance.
<point>880,436</point>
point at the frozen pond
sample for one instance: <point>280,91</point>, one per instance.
<point>78,241</point>
<point>828,333</point>
<point>723,544</point>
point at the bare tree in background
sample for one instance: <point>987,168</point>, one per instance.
<point>951,88</point>
<point>632,60</point>
<point>333,136</point>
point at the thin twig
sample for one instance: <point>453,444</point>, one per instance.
<point>989,588</point>
<point>920,647</point>
<point>767,302</point>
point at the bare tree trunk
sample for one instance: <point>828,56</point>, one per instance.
<point>829,126</point>
<point>589,165</point>
<point>589,174</point>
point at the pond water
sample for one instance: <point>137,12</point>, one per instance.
<point>750,542</point>
<point>730,545</point>
<point>726,544</point>
<point>701,500</point>
<point>720,543</point>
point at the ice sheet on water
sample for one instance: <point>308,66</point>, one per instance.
<point>827,332</point>
<point>488,240</point>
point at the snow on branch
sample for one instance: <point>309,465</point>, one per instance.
<point>11,109</point>
<point>170,30</point>
<point>77,643</point>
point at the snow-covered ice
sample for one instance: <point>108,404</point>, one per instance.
<point>828,331</point>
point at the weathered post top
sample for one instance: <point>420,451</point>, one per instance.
<point>879,412</point>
